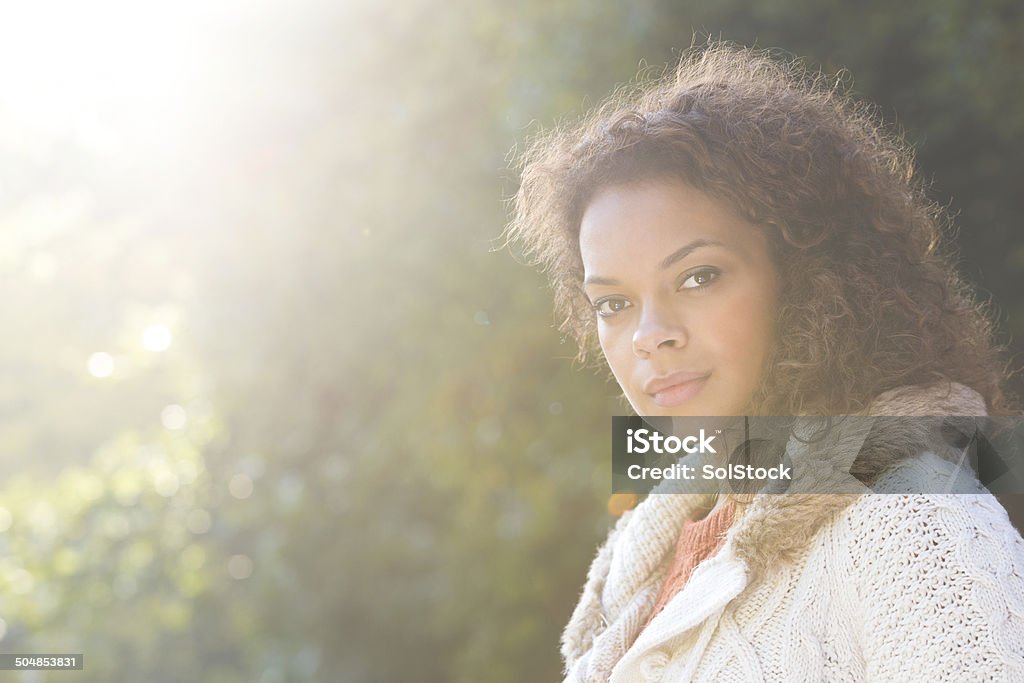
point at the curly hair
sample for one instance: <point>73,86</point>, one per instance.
<point>871,298</point>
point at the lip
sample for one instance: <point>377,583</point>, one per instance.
<point>676,388</point>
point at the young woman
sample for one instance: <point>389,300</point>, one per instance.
<point>740,238</point>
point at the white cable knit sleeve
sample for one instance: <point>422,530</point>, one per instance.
<point>940,582</point>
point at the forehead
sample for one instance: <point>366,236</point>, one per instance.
<point>637,223</point>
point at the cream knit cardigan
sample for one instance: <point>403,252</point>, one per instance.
<point>872,587</point>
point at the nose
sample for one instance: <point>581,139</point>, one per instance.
<point>658,328</point>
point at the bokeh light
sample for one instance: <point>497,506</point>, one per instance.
<point>156,338</point>
<point>100,364</point>
<point>173,417</point>
<point>239,567</point>
<point>240,486</point>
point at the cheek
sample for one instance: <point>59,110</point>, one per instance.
<point>743,334</point>
<point>617,347</point>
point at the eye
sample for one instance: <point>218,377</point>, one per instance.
<point>610,306</point>
<point>699,279</point>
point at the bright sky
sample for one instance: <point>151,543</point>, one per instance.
<point>61,60</point>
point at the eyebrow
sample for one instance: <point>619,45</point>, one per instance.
<point>667,262</point>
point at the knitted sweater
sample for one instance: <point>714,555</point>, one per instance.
<point>699,540</point>
<point>809,587</point>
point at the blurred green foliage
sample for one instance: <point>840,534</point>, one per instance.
<point>365,454</point>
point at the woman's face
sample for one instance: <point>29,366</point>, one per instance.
<point>685,294</point>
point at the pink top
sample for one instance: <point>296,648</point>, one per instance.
<point>698,540</point>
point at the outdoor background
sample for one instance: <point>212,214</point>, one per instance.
<point>272,405</point>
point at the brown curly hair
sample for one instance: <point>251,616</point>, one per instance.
<point>871,299</point>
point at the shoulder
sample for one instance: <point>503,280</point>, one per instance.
<point>917,553</point>
<point>940,585</point>
<point>907,514</point>
<point>940,581</point>
<point>895,522</point>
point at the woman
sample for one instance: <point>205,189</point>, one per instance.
<point>741,239</point>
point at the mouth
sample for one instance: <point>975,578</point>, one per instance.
<point>676,388</point>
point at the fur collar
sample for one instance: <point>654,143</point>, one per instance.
<point>778,527</point>
<point>621,585</point>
